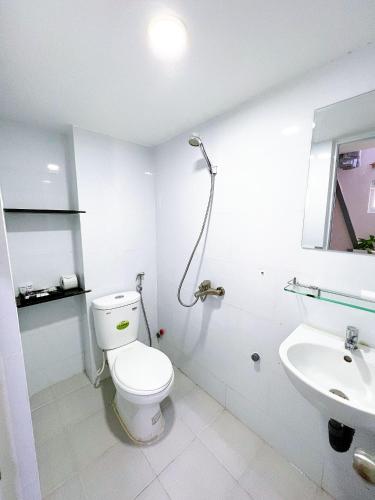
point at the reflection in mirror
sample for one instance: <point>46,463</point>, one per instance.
<point>353,215</point>
<point>340,198</point>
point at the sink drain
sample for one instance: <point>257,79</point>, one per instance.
<point>339,393</point>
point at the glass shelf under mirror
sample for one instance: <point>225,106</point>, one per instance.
<point>363,303</point>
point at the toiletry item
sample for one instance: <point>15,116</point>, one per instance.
<point>22,289</point>
<point>68,281</point>
<point>29,287</point>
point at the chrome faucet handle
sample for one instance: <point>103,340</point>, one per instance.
<point>351,340</point>
<point>352,332</point>
<point>205,285</point>
<point>205,289</point>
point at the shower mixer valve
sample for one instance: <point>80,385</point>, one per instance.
<point>205,289</point>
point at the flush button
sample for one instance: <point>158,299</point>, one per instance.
<point>119,297</point>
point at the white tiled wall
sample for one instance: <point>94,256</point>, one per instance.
<point>253,248</point>
<point>26,152</point>
<point>115,185</point>
<point>19,472</point>
<point>52,341</point>
<point>42,247</point>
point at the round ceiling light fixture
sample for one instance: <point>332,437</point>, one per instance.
<point>168,37</point>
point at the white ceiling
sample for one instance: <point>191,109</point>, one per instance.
<point>87,62</point>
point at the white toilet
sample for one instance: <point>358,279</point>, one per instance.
<point>143,376</point>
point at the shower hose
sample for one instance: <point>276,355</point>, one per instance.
<point>205,220</point>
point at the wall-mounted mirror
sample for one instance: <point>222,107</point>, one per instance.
<point>340,197</point>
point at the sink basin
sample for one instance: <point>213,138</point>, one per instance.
<point>338,382</point>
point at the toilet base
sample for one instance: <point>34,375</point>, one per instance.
<point>144,424</point>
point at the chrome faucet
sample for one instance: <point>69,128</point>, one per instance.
<point>351,340</point>
<point>205,289</point>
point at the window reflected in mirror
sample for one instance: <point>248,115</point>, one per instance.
<point>353,216</point>
<point>340,196</point>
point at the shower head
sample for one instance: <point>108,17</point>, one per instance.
<point>196,141</point>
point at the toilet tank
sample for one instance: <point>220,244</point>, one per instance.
<point>116,319</point>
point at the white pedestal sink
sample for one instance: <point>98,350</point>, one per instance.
<point>340,383</point>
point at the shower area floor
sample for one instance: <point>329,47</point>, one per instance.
<point>205,453</point>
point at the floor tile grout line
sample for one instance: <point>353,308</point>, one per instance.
<point>65,427</point>
<point>211,422</point>
<point>78,472</point>
<point>196,438</point>
<point>59,485</point>
<point>85,495</point>
<point>174,460</point>
<point>226,468</point>
<point>198,387</point>
<point>82,469</point>
<point>74,422</point>
<point>145,488</point>
<point>178,455</point>
<point>57,399</point>
<point>66,393</point>
<point>220,461</point>
<point>41,406</point>
<point>206,425</point>
<point>74,462</point>
<point>65,430</point>
<point>61,396</point>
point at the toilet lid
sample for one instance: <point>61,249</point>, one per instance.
<point>143,370</point>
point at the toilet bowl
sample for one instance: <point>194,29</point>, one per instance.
<point>143,376</point>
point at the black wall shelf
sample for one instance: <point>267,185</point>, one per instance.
<point>59,294</point>
<point>41,211</point>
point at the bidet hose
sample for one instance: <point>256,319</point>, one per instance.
<point>146,321</point>
<point>206,216</point>
<point>139,290</point>
<point>100,371</point>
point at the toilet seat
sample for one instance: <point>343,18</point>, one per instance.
<point>141,370</point>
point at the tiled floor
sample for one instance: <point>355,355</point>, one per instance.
<point>205,454</point>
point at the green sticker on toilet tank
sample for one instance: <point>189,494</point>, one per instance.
<point>122,325</point>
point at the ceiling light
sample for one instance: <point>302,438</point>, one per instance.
<point>46,181</point>
<point>53,167</point>
<point>167,36</point>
